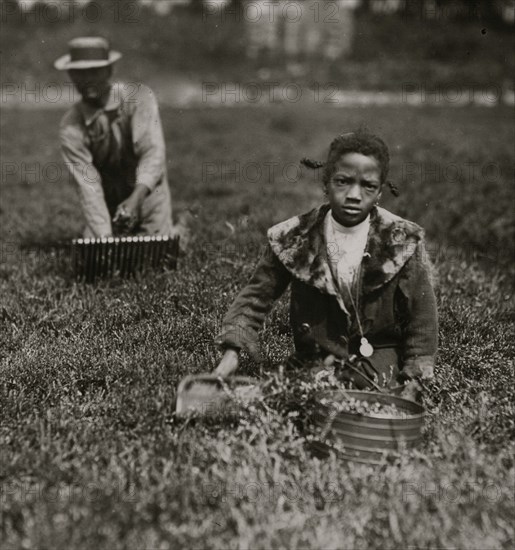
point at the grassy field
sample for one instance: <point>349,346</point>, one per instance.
<point>91,455</point>
<point>436,54</point>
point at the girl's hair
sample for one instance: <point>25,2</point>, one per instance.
<point>362,142</point>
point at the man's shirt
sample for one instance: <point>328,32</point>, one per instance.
<point>111,149</point>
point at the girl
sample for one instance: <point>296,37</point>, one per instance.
<point>360,279</point>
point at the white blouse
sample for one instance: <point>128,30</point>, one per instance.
<point>345,247</point>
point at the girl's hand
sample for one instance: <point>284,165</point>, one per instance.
<point>412,391</point>
<point>228,363</point>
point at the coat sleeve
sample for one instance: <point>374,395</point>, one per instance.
<point>79,162</point>
<point>247,313</point>
<point>420,339</point>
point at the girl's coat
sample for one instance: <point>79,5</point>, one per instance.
<point>394,296</point>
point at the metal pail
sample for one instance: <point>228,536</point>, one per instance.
<point>366,438</point>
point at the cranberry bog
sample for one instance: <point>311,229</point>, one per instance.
<point>92,453</point>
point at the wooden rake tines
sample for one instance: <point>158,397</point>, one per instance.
<point>123,257</point>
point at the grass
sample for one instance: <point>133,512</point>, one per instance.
<point>436,54</point>
<point>91,453</point>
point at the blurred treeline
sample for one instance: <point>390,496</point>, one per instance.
<point>391,42</point>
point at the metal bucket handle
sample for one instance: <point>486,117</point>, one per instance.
<point>386,390</point>
<point>363,375</point>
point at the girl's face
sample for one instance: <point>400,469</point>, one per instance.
<point>354,188</point>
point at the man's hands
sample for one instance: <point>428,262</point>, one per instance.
<point>228,363</point>
<point>127,213</point>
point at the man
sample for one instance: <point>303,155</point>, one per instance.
<point>112,142</point>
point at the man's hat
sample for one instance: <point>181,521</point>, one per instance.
<point>87,52</point>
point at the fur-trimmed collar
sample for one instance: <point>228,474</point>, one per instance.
<point>300,246</point>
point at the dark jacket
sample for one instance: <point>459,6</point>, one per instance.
<point>396,300</point>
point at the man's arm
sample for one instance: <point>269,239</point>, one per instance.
<point>148,139</point>
<point>149,147</point>
<point>79,161</point>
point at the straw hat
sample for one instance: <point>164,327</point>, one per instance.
<point>87,52</point>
